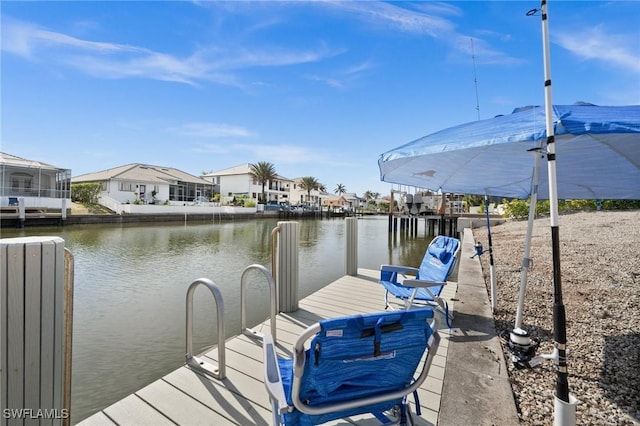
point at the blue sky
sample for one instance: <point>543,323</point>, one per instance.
<point>317,88</point>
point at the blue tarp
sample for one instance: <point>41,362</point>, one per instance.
<point>597,155</point>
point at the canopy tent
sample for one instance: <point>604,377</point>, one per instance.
<point>598,155</point>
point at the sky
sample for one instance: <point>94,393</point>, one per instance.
<point>318,88</point>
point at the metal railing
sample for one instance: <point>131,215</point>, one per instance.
<point>197,363</point>
<point>8,191</point>
<point>273,296</point>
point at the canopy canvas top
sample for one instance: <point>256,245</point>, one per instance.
<point>597,148</point>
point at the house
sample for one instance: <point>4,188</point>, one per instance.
<point>335,202</point>
<point>302,196</point>
<point>354,202</point>
<point>34,183</point>
<point>237,181</point>
<point>148,184</point>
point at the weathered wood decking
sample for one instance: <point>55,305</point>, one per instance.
<point>185,397</point>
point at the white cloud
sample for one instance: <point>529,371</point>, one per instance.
<point>427,18</point>
<point>210,130</point>
<point>595,43</point>
<point>113,60</point>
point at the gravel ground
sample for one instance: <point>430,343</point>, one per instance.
<point>600,274</point>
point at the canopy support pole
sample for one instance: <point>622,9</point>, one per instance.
<point>492,269</point>
<point>520,344</point>
<point>527,262</point>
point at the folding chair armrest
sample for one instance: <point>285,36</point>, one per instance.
<point>423,283</point>
<point>272,376</point>
<point>398,269</point>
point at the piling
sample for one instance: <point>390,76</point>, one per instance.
<point>351,249</point>
<point>288,267</point>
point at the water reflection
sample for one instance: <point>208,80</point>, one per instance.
<point>131,282</point>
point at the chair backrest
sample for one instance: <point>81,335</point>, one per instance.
<point>362,356</point>
<point>440,259</point>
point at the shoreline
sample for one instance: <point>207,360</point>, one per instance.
<point>600,277</point>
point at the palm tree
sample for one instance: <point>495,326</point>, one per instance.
<point>263,171</point>
<point>309,183</point>
<point>340,189</point>
<point>371,197</point>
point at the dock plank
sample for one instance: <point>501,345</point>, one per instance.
<point>133,410</point>
<point>222,399</point>
<point>99,419</point>
<point>179,407</point>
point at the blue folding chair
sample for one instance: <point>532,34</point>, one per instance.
<point>354,365</point>
<point>423,285</point>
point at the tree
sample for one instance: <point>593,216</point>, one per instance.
<point>370,195</point>
<point>340,189</point>
<point>309,183</point>
<point>263,171</point>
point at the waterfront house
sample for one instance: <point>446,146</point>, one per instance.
<point>354,201</point>
<point>148,184</point>
<point>33,183</point>
<point>301,196</point>
<point>335,202</point>
<point>237,181</point>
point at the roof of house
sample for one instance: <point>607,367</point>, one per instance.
<point>142,173</point>
<point>352,195</point>
<point>241,169</point>
<point>13,160</point>
<point>334,201</point>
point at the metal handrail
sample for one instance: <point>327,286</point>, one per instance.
<point>274,243</point>
<point>243,301</point>
<point>196,363</point>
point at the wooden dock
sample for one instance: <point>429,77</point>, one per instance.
<point>185,397</point>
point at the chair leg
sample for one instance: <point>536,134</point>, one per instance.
<point>276,415</point>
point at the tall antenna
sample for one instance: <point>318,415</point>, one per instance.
<point>475,79</point>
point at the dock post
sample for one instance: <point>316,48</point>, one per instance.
<point>63,211</point>
<point>288,268</point>
<point>351,238</point>
<point>22,212</point>
<point>36,313</point>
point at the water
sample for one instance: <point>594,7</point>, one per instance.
<point>131,283</point>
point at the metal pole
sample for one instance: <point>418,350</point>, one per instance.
<point>563,403</point>
<point>492,269</point>
<point>351,246</point>
<point>521,345</point>
<point>526,260</point>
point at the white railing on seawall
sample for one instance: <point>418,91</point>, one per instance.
<point>162,209</point>
<point>48,202</point>
<point>111,203</point>
<point>206,208</point>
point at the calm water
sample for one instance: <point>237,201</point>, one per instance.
<point>131,283</point>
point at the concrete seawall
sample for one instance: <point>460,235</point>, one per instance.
<point>476,388</point>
